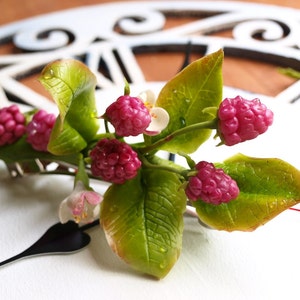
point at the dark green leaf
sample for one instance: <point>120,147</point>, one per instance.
<point>21,151</point>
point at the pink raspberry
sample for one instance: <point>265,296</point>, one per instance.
<point>241,120</point>
<point>12,125</point>
<point>114,161</point>
<point>39,130</point>
<point>128,115</point>
<point>211,185</point>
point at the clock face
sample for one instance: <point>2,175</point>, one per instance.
<point>149,41</point>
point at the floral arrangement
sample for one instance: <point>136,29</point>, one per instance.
<point>142,210</point>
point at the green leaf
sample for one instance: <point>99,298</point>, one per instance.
<point>186,96</point>
<point>21,151</point>
<point>72,86</point>
<point>268,186</point>
<point>290,72</point>
<point>65,140</point>
<point>143,221</point>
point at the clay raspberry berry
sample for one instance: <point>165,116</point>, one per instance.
<point>128,115</point>
<point>12,125</point>
<point>114,161</point>
<point>241,120</point>
<point>211,185</point>
<point>39,130</point>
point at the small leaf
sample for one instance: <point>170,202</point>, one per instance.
<point>290,72</point>
<point>72,86</point>
<point>268,186</point>
<point>185,97</point>
<point>143,221</point>
<point>65,140</point>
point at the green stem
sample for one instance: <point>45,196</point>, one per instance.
<point>166,167</point>
<point>68,173</point>
<point>81,174</point>
<point>106,126</point>
<point>126,88</point>
<point>211,124</point>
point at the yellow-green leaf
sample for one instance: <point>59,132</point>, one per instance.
<point>268,186</point>
<point>65,80</point>
<point>65,140</point>
<point>186,98</point>
<point>143,221</point>
<point>72,86</point>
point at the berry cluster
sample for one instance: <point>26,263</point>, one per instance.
<point>241,120</point>
<point>12,125</point>
<point>128,115</point>
<point>39,129</point>
<point>114,161</point>
<point>211,185</point>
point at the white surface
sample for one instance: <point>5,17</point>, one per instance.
<point>213,265</point>
<point>216,265</point>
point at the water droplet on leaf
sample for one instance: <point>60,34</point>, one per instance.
<point>163,264</point>
<point>113,208</point>
<point>48,74</point>
<point>182,121</point>
<point>163,250</point>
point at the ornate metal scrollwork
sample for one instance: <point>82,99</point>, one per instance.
<point>107,38</point>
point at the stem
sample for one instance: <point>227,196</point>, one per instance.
<point>148,164</point>
<point>126,88</point>
<point>68,173</point>
<point>106,126</point>
<point>211,124</point>
<point>57,173</point>
<point>81,174</point>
